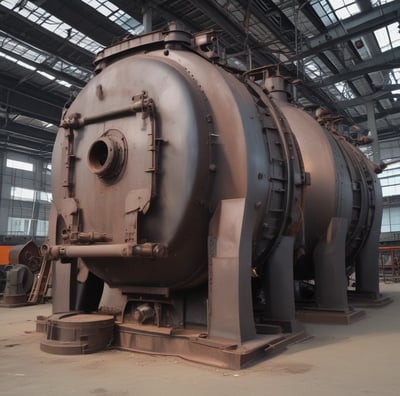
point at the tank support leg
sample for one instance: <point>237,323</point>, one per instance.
<point>367,265</point>
<point>64,287</point>
<point>280,288</point>
<point>367,271</point>
<point>230,304</point>
<point>330,270</point>
<point>330,279</point>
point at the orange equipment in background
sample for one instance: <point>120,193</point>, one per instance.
<point>4,251</point>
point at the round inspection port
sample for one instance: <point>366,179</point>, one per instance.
<point>98,154</point>
<point>106,155</point>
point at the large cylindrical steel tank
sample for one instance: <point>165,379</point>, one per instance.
<point>168,160</point>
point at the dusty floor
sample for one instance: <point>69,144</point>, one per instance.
<point>360,359</point>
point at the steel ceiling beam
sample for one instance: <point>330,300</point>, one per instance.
<point>278,23</point>
<point>362,100</point>
<point>238,34</point>
<point>161,16</point>
<point>10,141</point>
<point>355,26</point>
<point>30,32</point>
<point>40,67</point>
<point>30,133</point>
<point>387,60</point>
<point>85,19</point>
<point>30,101</point>
<point>382,114</point>
<point>232,29</point>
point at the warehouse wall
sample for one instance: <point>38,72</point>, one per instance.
<point>390,181</point>
<point>25,197</point>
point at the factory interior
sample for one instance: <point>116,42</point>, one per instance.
<point>304,95</point>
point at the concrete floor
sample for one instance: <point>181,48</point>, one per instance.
<point>359,359</point>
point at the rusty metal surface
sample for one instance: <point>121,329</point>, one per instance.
<point>192,345</point>
<point>200,196</point>
<point>28,254</point>
<point>71,334</point>
<point>332,317</point>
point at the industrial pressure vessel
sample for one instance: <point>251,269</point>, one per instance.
<point>172,171</point>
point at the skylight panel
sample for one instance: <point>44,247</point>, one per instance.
<point>47,75</point>
<point>32,55</point>
<point>315,69</point>
<point>25,65</point>
<point>388,37</point>
<point>324,10</point>
<point>51,23</point>
<point>312,70</point>
<point>8,57</point>
<point>341,91</point>
<point>64,83</point>
<point>74,71</point>
<point>113,13</point>
<point>34,122</point>
<point>395,76</point>
<point>344,8</point>
<point>346,92</point>
<point>126,22</point>
<point>330,11</point>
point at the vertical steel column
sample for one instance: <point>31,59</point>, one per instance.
<point>376,155</point>
<point>147,19</point>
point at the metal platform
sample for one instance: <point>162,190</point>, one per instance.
<point>193,345</point>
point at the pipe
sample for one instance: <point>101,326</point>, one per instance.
<point>104,250</point>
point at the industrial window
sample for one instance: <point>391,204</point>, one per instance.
<point>42,228</point>
<point>45,196</point>
<point>27,166</point>
<point>18,226</point>
<point>26,194</point>
<point>22,226</point>
<point>390,219</point>
<point>390,180</point>
<point>22,194</point>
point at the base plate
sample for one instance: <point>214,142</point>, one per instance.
<point>13,301</point>
<point>368,300</point>
<point>327,316</point>
<point>194,345</point>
